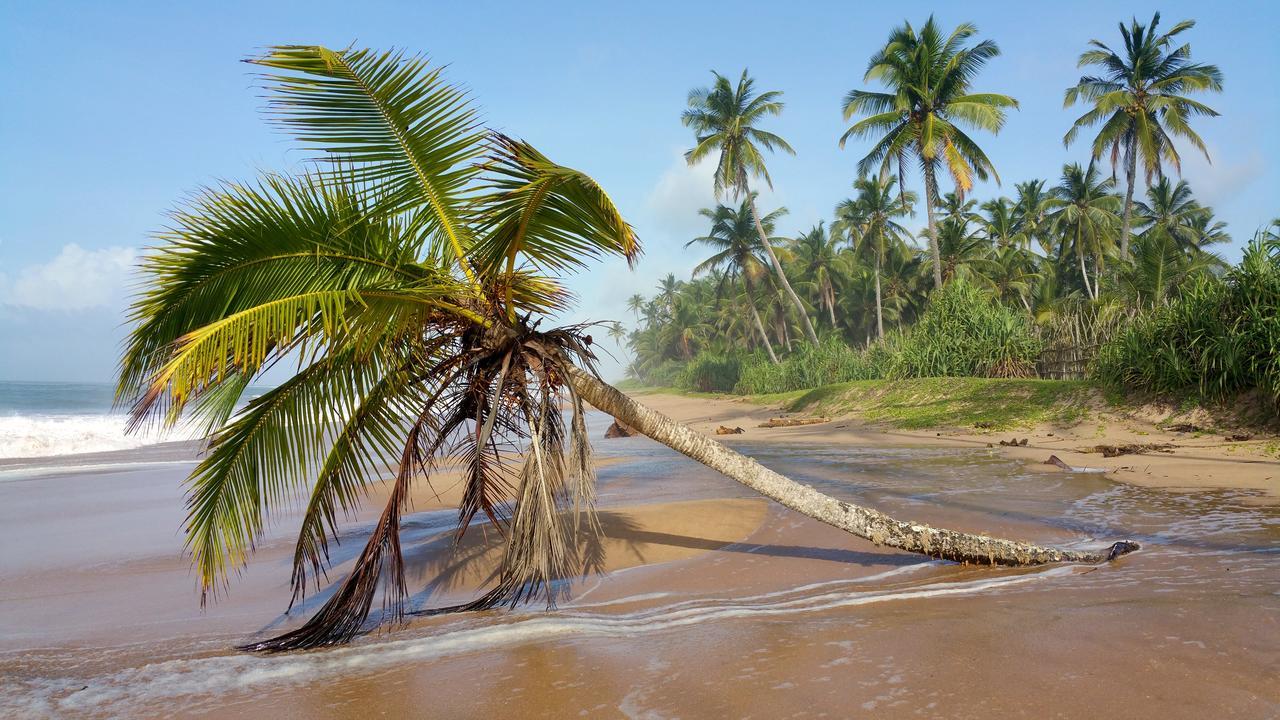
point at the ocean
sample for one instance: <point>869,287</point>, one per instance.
<point>53,419</point>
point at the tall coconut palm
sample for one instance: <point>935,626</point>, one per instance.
<point>1140,99</point>
<point>724,118</point>
<point>737,247</point>
<point>405,279</point>
<point>1083,210</point>
<point>928,76</point>
<point>870,221</point>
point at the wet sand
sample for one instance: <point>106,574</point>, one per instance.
<point>716,603</point>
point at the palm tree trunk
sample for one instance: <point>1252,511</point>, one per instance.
<point>831,304</point>
<point>755,317</point>
<point>863,522</point>
<point>777,268</point>
<point>1084,271</point>
<point>879,308</point>
<point>930,198</point>
<point>1131,172</point>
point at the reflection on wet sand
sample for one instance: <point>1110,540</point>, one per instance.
<point>712,604</point>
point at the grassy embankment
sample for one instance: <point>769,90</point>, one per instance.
<point>988,403</point>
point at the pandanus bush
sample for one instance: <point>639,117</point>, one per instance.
<point>405,279</point>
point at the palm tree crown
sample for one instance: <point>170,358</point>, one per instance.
<point>928,99</point>
<point>400,277</point>
<point>1140,100</point>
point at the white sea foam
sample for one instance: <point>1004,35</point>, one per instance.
<point>203,680</point>
<point>23,436</point>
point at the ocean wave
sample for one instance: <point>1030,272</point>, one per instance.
<point>26,436</point>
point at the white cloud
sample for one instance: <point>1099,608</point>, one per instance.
<point>681,191</point>
<point>1215,183</point>
<point>76,279</point>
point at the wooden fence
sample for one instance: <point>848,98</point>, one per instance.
<point>1069,362</point>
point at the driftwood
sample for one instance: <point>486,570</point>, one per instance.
<point>726,430</point>
<point>792,422</point>
<point>1130,449</point>
<point>619,430</point>
<point>1015,442</point>
<point>1055,461</point>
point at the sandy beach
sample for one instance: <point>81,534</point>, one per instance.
<point>711,603</point>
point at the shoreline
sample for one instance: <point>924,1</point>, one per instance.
<point>1194,461</point>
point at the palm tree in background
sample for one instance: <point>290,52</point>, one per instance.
<point>1029,209</point>
<point>928,76</point>
<point>668,290</point>
<point>817,256</point>
<point>1140,100</point>
<point>964,249</point>
<point>724,118</point>
<point>737,249</point>
<point>1082,210</point>
<point>635,304</point>
<point>870,222</point>
<point>1173,212</point>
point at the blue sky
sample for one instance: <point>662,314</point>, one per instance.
<point>111,112</point>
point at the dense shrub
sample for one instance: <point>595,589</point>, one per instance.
<point>711,372</point>
<point>964,333</point>
<point>831,361</point>
<point>1218,338</point>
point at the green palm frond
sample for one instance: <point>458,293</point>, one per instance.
<point>557,218</point>
<point>401,132</point>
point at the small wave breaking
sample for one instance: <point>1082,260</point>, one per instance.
<point>28,436</point>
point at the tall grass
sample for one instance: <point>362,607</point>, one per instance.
<point>831,361</point>
<point>1218,338</point>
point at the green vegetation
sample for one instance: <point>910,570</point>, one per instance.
<point>1036,283</point>
<point>993,404</point>
<point>1218,338</point>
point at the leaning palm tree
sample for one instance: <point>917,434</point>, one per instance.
<point>737,249</point>
<point>723,118</point>
<point>928,75</point>
<point>870,221</point>
<point>405,279</point>
<point>1140,100</point>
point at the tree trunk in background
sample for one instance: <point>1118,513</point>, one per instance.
<point>879,311</point>
<point>863,522</point>
<point>777,268</point>
<point>930,198</point>
<point>755,316</point>
<point>1130,172</point>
